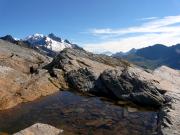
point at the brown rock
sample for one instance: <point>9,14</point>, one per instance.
<point>22,78</point>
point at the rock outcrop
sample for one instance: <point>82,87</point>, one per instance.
<point>40,129</point>
<point>107,76</point>
<point>170,116</point>
<point>21,76</point>
<point>129,86</point>
<point>27,75</point>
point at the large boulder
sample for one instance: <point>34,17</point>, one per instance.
<point>107,76</point>
<point>127,86</point>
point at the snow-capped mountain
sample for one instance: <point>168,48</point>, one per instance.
<point>49,45</point>
<point>50,42</point>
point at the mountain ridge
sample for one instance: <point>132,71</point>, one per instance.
<point>154,56</point>
<point>49,44</point>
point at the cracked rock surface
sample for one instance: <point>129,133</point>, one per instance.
<point>170,81</point>
<point>21,77</point>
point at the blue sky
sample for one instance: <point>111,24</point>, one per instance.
<point>97,25</point>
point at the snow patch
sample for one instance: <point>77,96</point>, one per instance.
<point>48,42</point>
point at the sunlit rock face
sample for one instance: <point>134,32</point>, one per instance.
<point>40,129</point>
<point>170,81</point>
<point>22,78</point>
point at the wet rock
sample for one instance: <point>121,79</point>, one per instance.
<point>40,129</point>
<point>147,99</point>
<point>132,109</point>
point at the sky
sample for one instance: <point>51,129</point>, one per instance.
<point>96,25</point>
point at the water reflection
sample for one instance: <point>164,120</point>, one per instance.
<point>79,115</point>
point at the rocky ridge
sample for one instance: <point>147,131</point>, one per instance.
<point>154,56</point>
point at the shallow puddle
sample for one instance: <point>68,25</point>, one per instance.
<point>80,115</point>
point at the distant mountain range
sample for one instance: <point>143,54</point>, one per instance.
<point>149,57</point>
<point>108,53</point>
<point>121,54</point>
<point>153,56</point>
<point>49,45</point>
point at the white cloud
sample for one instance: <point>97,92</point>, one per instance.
<point>149,18</point>
<point>165,31</point>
